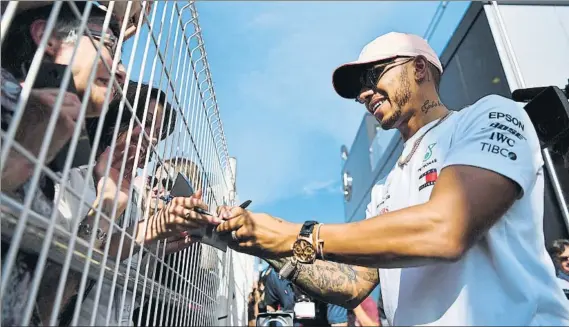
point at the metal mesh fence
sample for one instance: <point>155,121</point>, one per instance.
<point>97,123</point>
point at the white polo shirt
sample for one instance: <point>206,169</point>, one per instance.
<point>507,278</point>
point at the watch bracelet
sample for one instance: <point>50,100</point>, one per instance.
<point>319,243</point>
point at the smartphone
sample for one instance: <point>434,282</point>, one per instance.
<point>183,188</point>
<point>50,75</point>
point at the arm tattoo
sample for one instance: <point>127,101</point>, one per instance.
<point>333,282</point>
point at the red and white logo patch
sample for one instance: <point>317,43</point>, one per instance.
<point>428,178</point>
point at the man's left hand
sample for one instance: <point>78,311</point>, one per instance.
<point>258,234</point>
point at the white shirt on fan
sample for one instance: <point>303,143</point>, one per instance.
<point>70,210</point>
<point>507,278</point>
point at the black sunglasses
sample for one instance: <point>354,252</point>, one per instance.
<point>371,76</point>
<point>110,42</point>
<point>167,182</point>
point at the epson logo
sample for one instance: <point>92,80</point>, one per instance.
<point>507,128</point>
<point>508,117</point>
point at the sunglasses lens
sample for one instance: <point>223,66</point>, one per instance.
<point>370,78</point>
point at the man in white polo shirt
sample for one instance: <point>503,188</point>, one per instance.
<point>457,228</point>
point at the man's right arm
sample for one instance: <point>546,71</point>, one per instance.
<point>332,282</point>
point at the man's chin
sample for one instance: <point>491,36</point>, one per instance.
<point>386,124</point>
<point>390,121</point>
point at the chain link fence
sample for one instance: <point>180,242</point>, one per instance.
<point>104,105</point>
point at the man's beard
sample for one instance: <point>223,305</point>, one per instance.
<point>400,99</point>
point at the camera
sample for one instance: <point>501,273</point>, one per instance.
<point>548,110</point>
<point>274,319</point>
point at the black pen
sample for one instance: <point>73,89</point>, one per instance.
<point>243,205</point>
<point>201,211</point>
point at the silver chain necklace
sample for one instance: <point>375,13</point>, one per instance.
<point>402,162</point>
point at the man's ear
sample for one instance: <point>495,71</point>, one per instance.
<point>421,69</point>
<point>37,30</point>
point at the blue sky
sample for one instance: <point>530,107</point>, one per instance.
<point>272,64</point>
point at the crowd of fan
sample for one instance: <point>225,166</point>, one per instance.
<point>123,140</point>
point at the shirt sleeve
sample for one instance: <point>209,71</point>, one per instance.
<point>377,193</point>
<point>496,134</point>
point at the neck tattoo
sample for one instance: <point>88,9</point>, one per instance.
<point>429,104</point>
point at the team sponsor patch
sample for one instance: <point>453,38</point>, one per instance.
<point>508,118</point>
<point>506,128</point>
<point>426,165</point>
<point>498,150</point>
<point>429,152</point>
<point>502,138</point>
<point>428,178</point>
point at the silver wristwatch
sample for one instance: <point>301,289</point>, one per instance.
<point>288,270</point>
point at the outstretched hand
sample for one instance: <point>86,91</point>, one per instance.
<point>176,218</point>
<point>257,234</point>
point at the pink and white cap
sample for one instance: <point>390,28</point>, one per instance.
<point>346,78</point>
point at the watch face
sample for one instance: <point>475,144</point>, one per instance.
<point>304,251</point>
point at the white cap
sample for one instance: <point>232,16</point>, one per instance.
<point>346,78</point>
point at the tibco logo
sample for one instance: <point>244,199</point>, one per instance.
<point>492,148</point>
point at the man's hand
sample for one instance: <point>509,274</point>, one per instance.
<point>114,186</point>
<point>176,218</point>
<point>258,234</point>
<point>39,109</point>
<point>178,243</point>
